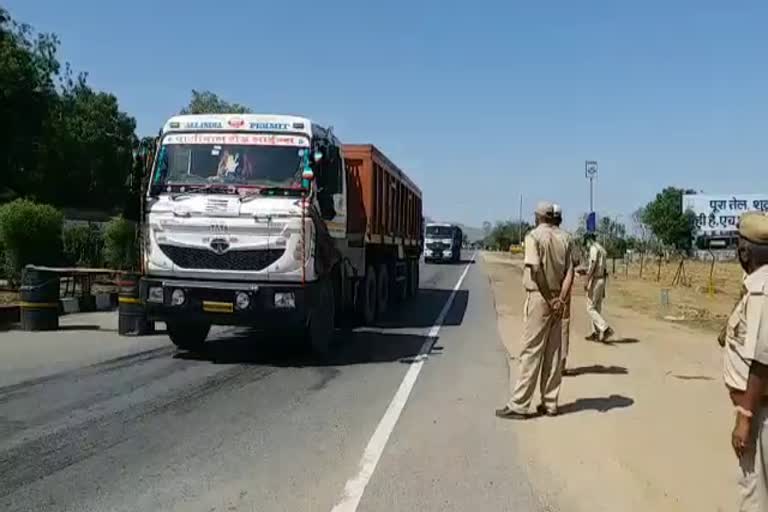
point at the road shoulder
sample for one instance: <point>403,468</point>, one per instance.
<point>645,422</point>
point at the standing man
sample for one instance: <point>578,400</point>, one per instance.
<point>597,274</point>
<point>547,278</point>
<point>746,364</point>
<point>566,317</point>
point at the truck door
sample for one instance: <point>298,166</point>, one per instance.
<point>335,184</point>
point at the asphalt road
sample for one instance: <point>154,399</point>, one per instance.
<point>253,426</point>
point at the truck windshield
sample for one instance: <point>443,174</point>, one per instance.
<point>439,231</point>
<point>261,160</point>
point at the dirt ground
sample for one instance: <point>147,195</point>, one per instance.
<point>692,303</point>
<point>645,422</point>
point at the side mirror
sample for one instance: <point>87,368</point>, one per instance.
<point>155,189</point>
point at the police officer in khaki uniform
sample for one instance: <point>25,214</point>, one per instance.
<point>566,317</point>
<point>594,287</point>
<point>745,368</point>
<point>547,278</point>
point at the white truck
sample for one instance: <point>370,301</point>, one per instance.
<point>443,242</point>
<point>269,221</point>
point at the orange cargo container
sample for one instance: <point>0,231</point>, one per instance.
<point>384,205</point>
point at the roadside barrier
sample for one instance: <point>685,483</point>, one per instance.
<point>39,300</point>
<point>132,319</point>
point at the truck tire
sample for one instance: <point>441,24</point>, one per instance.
<point>382,289</point>
<point>188,335</point>
<point>413,278</point>
<point>319,333</point>
<point>366,297</point>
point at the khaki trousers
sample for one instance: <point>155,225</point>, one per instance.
<point>595,297</point>
<point>540,359</point>
<point>753,484</point>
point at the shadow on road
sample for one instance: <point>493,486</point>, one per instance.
<point>601,404</point>
<point>619,341</point>
<point>350,347</point>
<point>423,311</point>
<point>84,327</point>
<point>597,369</point>
<point>376,344</point>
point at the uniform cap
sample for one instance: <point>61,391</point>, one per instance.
<point>754,227</point>
<point>545,208</point>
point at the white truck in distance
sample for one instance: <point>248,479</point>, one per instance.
<point>258,220</point>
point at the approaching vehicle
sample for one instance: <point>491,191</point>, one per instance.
<point>256,220</point>
<point>443,243</point>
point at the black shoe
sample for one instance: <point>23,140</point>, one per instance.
<point>510,414</point>
<point>591,337</point>
<point>606,335</point>
<point>542,409</point>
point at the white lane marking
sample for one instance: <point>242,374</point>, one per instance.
<point>355,486</point>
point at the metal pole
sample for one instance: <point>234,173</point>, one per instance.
<point>591,194</point>
<point>520,223</point>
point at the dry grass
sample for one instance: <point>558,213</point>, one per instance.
<point>690,301</point>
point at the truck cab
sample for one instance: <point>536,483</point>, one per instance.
<point>228,236</point>
<point>442,243</point>
<point>262,220</point>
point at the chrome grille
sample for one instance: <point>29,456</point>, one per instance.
<point>247,260</point>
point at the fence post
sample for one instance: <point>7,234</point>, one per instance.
<point>658,274</point>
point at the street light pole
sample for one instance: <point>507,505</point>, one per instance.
<point>590,172</point>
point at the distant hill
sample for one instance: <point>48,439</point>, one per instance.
<point>473,234</point>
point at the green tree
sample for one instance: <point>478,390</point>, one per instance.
<point>506,233</point>
<point>90,149</point>
<point>666,219</point>
<point>611,233</point>
<point>27,90</point>
<point>206,102</point>
<point>66,145</point>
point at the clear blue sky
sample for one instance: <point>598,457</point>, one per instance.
<point>478,101</point>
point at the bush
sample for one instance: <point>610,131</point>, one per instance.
<point>83,245</point>
<point>120,244</point>
<point>31,234</point>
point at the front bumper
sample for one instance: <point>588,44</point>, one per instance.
<point>437,256</point>
<point>214,302</point>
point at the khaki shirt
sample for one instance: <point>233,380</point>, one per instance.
<point>746,334</point>
<point>597,261</point>
<point>550,249</point>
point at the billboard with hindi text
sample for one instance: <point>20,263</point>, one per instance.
<point>720,213</point>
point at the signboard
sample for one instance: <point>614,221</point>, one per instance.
<point>237,139</point>
<point>591,222</point>
<point>720,213</point>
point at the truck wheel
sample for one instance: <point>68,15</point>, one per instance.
<point>319,332</point>
<point>413,278</point>
<point>188,335</point>
<point>382,287</point>
<point>366,297</point>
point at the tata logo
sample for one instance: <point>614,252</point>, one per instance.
<point>219,228</point>
<point>269,126</point>
<point>203,125</point>
<point>219,245</point>
<point>236,122</point>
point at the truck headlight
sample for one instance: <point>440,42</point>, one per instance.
<point>447,253</point>
<point>155,294</point>
<point>242,300</point>
<point>285,300</point>
<point>178,297</point>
